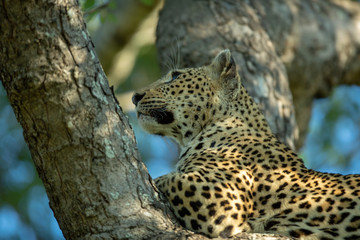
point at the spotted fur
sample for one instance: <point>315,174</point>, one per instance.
<point>233,174</point>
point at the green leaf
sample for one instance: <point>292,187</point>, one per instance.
<point>111,18</point>
<point>148,2</point>
<point>112,4</point>
<point>88,4</point>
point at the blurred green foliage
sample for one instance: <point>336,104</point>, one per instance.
<point>148,2</point>
<point>145,70</point>
<point>100,8</point>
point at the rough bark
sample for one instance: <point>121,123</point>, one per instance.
<point>114,35</point>
<point>319,43</point>
<point>312,44</point>
<point>82,144</point>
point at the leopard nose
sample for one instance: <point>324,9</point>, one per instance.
<point>137,97</point>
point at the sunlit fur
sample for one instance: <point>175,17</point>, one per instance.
<point>233,174</point>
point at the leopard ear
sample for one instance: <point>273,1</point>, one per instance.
<point>224,72</point>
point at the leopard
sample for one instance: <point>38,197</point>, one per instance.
<point>233,174</point>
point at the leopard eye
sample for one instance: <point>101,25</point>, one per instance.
<point>174,75</point>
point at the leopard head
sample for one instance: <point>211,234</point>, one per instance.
<point>184,101</point>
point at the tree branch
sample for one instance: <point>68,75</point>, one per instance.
<point>81,143</point>
<point>319,43</point>
<point>310,45</point>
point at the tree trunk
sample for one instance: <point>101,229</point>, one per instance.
<point>312,44</point>
<point>82,144</point>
